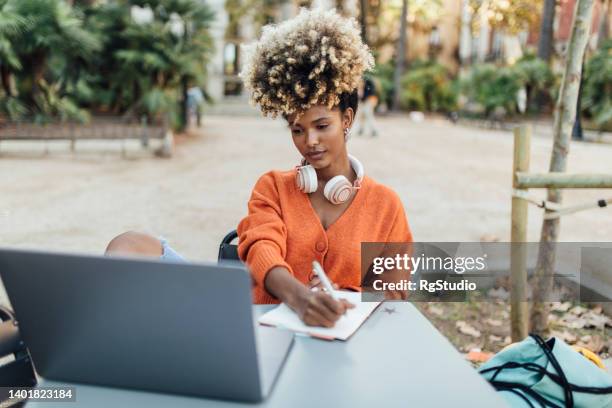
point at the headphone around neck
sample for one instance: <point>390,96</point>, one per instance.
<point>337,190</point>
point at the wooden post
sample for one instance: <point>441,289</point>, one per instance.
<point>518,258</point>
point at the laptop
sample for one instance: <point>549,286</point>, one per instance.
<point>143,324</point>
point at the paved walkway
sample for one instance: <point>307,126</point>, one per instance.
<point>454,182</point>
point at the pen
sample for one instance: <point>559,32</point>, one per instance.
<point>318,270</point>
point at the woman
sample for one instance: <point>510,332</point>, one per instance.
<point>308,69</point>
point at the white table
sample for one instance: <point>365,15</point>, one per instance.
<point>395,359</point>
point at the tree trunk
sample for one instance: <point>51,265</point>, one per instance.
<point>604,23</point>
<point>400,56</point>
<point>340,7</point>
<point>577,133</point>
<point>184,109</point>
<point>5,73</point>
<point>565,114</point>
<point>545,43</point>
<point>363,18</point>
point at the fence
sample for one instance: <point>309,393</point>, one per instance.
<point>522,181</point>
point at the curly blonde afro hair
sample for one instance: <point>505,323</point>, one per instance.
<point>313,59</point>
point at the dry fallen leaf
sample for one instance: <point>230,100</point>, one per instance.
<point>565,336</point>
<point>572,322</point>
<point>436,310</point>
<point>469,347</point>
<point>595,343</point>
<point>467,329</point>
<point>499,293</point>
<point>493,322</point>
<point>560,307</point>
<point>598,321</point>
<point>578,310</point>
<point>478,356</point>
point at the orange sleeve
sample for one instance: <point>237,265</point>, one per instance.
<point>262,234</point>
<point>400,233</point>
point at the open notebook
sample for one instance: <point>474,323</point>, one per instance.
<point>283,316</point>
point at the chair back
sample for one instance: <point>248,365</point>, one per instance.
<point>227,250</point>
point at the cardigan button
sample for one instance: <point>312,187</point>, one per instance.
<point>320,246</point>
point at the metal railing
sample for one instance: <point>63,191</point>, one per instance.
<point>97,128</point>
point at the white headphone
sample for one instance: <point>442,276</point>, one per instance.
<point>337,190</point>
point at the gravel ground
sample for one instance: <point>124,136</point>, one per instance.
<point>455,183</point>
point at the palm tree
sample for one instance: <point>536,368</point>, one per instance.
<point>196,44</point>
<point>11,24</point>
<point>144,67</point>
<point>51,29</point>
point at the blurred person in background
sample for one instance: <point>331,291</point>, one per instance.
<point>366,122</point>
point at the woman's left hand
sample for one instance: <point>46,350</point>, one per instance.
<point>315,282</point>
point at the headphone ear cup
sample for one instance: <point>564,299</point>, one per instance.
<point>338,190</point>
<point>306,179</point>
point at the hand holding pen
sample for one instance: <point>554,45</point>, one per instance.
<point>322,308</point>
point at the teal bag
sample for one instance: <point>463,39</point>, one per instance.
<point>535,373</point>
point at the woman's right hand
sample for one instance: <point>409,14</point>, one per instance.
<point>320,309</point>
<point>314,308</point>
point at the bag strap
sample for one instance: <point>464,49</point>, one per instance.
<point>569,397</point>
<point>558,378</point>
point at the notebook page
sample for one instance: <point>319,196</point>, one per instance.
<point>283,316</point>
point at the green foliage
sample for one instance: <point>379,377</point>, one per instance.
<point>383,76</point>
<point>534,72</point>
<point>12,107</point>
<point>537,78</point>
<point>428,87</point>
<point>11,25</point>
<point>142,66</point>
<point>32,33</point>
<point>52,26</point>
<point>492,87</point>
<point>597,86</point>
<point>56,59</point>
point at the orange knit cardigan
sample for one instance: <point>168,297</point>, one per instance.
<point>283,229</point>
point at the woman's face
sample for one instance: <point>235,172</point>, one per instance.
<point>319,134</point>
